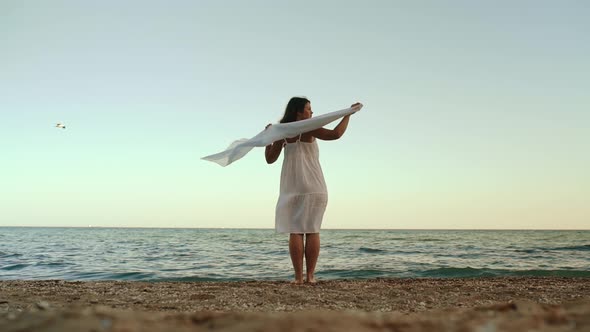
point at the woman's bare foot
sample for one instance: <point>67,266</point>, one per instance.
<point>310,280</point>
<point>297,282</point>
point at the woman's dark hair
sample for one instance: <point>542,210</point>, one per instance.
<point>295,105</point>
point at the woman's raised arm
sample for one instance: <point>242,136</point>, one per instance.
<point>332,134</point>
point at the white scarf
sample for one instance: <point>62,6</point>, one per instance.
<point>276,132</point>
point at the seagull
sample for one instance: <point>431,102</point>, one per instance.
<point>60,125</point>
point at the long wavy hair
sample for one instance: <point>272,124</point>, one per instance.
<point>295,105</point>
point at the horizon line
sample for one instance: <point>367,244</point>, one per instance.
<point>334,229</point>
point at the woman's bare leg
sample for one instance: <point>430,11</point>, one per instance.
<point>296,251</point>
<point>312,251</point>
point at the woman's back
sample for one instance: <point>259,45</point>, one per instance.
<point>302,172</point>
<point>303,194</point>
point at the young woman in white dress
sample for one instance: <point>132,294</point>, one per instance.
<point>303,193</point>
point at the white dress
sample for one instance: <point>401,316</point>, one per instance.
<point>303,194</point>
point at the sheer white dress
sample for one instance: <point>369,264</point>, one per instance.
<point>303,194</point>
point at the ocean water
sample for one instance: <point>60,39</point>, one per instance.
<point>248,254</point>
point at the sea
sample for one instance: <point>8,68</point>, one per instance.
<point>171,254</point>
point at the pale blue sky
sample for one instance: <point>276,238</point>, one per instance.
<point>477,113</point>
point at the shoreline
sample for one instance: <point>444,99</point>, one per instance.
<point>373,302</point>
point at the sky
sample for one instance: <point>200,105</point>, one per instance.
<point>476,113</point>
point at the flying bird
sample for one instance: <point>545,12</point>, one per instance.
<point>60,125</point>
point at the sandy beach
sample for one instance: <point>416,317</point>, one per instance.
<point>478,304</point>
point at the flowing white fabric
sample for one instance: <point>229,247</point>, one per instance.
<point>276,132</point>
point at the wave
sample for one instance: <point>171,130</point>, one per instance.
<point>372,250</point>
<point>354,274</point>
<point>205,279</point>
<point>583,247</point>
<point>527,251</point>
<point>134,276</point>
<point>54,264</point>
<point>9,255</point>
<point>357,236</point>
<point>429,240</point>
<point>469,272</point>
<point>14,267</point>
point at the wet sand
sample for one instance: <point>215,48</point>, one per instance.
<point>484,304</point>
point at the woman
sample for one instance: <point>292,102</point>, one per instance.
<point>303,193</point>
